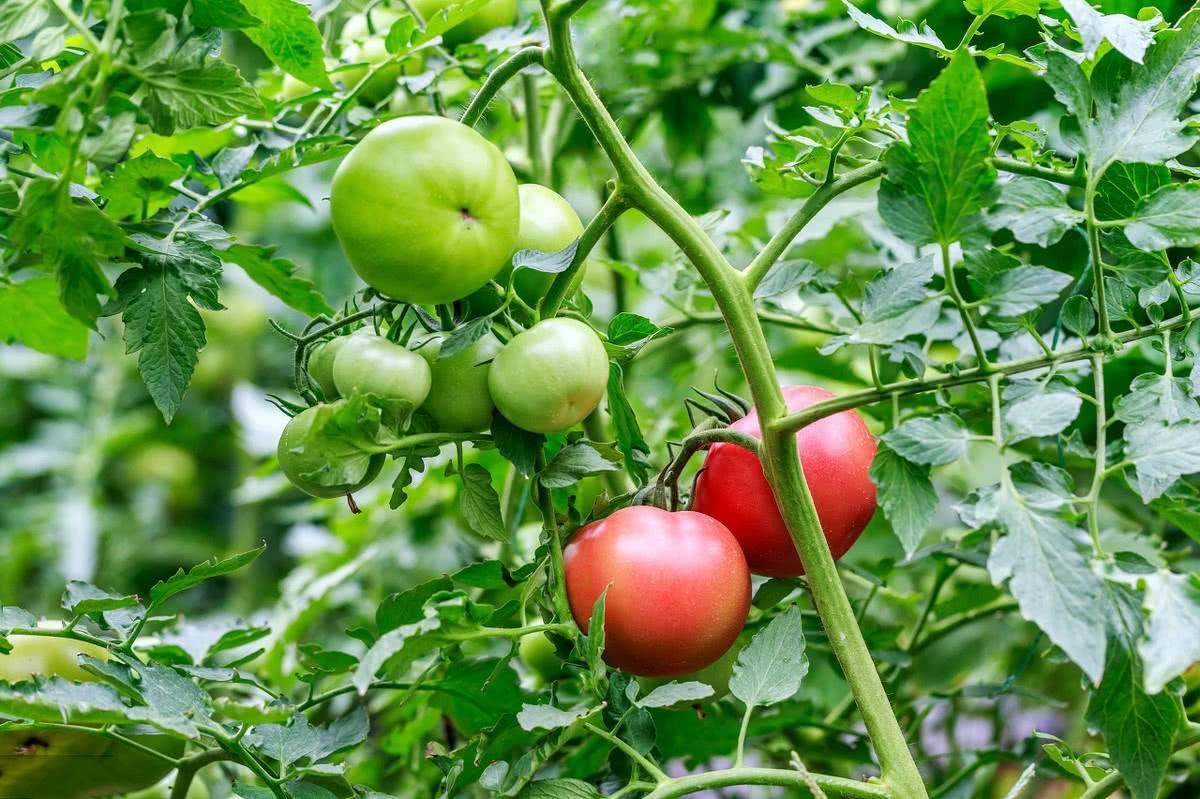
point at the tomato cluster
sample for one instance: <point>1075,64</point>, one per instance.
<point>676,586</point>
<point>421,228</point>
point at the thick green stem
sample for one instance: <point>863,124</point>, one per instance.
<point>606,217</point>
<point>781,460</point>
<point>711,780</point>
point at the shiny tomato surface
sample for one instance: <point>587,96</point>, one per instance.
<point>678,588</point>
<point>836,453</point>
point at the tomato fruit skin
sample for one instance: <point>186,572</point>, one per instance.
<point>370,364</point>
<point>496,14</point>
<point>426,209</point>
<point>548,378</point>
<point>678,588</point>
<point>320,365</point>
<point>306,452</point>
<point>459,400</point>
<point>836,453</point>
<point>32,761</point>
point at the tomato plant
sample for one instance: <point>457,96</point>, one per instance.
<point>730,396</point>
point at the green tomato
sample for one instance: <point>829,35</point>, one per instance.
<point>365,45</point>
<point>548,223</point>
<point>539,655</point>
<point>548,378</point>
<point>426,209</point>
<point>319,462</point>
<point>370,364</point>
<point>32,762</point>
<point>320,364</point>
<point>459,401</point>
<point>496,14</point>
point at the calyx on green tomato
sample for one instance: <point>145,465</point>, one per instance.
<point>53,764</point>
<point>549,224</point>
<point>836,453</point>
<point>548,378</point>
<point>459,401</point>
<point>320,364</point>
<point>496,14</point>
<point>539,655</point>
<point>370,364</point>
<point>319,459</point>
<point>426,209</point>
<point>678,589</point>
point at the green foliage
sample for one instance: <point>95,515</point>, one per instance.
<point>978,229</point>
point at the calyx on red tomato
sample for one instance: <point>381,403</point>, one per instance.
<point>426,209</point>
<point>678,589</point>
<point>319,459</point>
<point>60,764</point>
<point>836,453</point>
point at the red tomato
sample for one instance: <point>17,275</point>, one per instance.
<point>836,453</point>
<point>678,588</point>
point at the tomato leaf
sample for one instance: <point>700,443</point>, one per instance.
<point>480,503</point>
<point>906,495</point>
<point>519,447</point>
<point>629,435</point>
<point>939,181</point>
<point>572,463</point>
<point>772,666</point>
<point>278,276</point>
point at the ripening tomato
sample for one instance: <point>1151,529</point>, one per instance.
<point>836,453</point>
<point>425,209</point>
<point>34,763</point>
<point>678,588</point>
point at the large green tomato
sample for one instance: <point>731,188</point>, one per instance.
<point>548,223</point>
<point>548,378</point>
<point>369,364</point>
<point>320,463</point>
<point>320,364</point>
<point>459,401</point>
<point>426,209</point>
<point>496,14</point>
<point>52,764</point>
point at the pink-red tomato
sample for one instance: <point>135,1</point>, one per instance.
<point>678,588</point>
<point>836,453</point>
